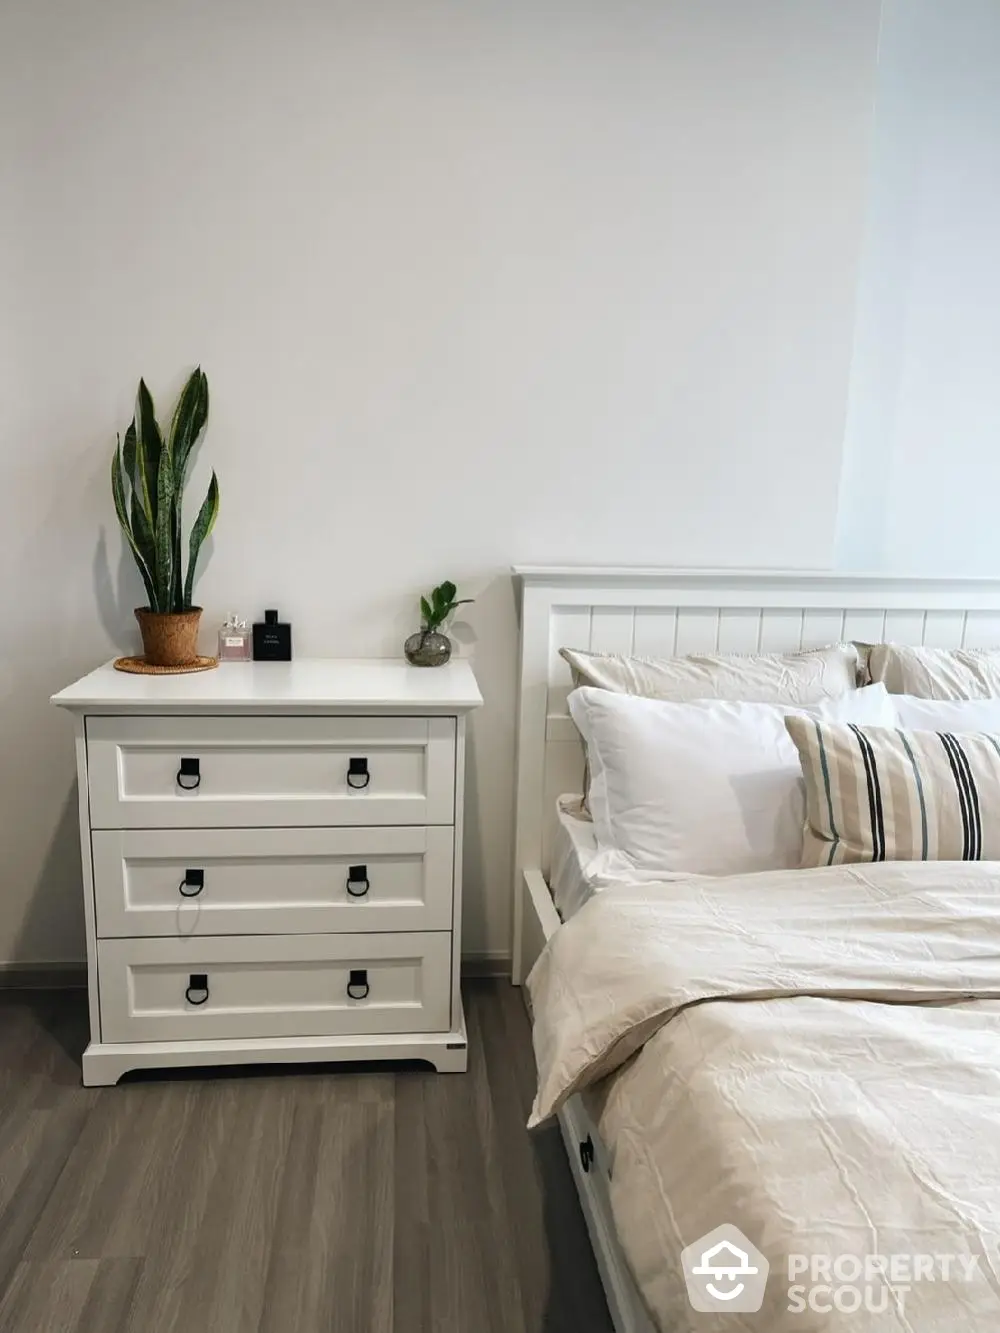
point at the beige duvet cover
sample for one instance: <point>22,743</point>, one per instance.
<point>811,1056</point>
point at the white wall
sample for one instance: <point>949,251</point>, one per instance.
<point>922,463</point>
<point>472,283</point>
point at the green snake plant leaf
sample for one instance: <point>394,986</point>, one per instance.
<point>177,569</point>
<point>163,534</point>
<point>176,565</point>
<point>128,453</point>
<point>426,612</point>
<point>142,533</point>
<point>118,493</point>
<point>149,448</point>
<point>143,540</point>
<point>202,526</point>
<point>189,420</point>
<point>188,423</point>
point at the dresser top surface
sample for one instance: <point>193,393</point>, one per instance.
<point>308,684</point>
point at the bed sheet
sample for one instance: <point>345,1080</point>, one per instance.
<point>574,849</point>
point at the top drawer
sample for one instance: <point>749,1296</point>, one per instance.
<point>228,772</point>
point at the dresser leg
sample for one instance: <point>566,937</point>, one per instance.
<point>447,1061</point>
<point>103,1068</point>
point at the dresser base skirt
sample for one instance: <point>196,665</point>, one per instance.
<point>104,1063</point>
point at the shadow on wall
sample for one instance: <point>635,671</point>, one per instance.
<point>51,929</point>
<point>50,934</point>
<point>118,592</point>
<point>489,772</point>
<point>113,592</point>
<point>473,854</point>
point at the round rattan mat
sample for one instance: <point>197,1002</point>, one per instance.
<point>138,666</point>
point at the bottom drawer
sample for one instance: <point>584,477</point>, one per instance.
<point>274,986</point>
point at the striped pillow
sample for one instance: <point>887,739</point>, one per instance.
<point>880,794</point>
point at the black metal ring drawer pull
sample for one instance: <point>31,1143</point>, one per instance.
<point>358,776</point>
<point>587,1153</point>
<point>357,875</point>
<point>192,883</point>
<point>197,987</point>
<point>357,983</point>
<point>189,769</point>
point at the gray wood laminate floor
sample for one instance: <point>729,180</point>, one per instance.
<point>295,1201</point>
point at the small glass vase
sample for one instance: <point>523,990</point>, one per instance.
<point>427,648</point>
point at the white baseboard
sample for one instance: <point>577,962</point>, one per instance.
<point>486,965</point>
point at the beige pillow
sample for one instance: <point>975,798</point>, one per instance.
<point>935,673</point>
<point>802,678</point>
<point>882,794</point>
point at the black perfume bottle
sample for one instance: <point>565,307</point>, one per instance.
<point>272,639</point>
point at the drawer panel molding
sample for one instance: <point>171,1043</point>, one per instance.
<point>274,986</point>
<point>226,772</point>
<point>184,882</point>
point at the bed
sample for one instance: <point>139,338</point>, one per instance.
<point>664,612</point>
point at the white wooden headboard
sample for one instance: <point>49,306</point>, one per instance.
<point>665,611</point>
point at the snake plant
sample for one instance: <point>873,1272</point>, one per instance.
<point>147,482</point>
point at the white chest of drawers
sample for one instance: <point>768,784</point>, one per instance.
<point>272,861</point>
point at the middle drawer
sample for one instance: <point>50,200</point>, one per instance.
<point>161,882</point>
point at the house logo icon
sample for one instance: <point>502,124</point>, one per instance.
<point>724,1271</point>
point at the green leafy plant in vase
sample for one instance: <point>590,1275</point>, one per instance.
<point>148,472</point>
<point>429,647</point>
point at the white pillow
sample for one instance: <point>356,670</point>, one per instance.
<point>799,679</point>
<point>947,714</point>
<point>710,788</point>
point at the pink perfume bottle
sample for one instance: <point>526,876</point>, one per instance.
<point>234,640</point>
